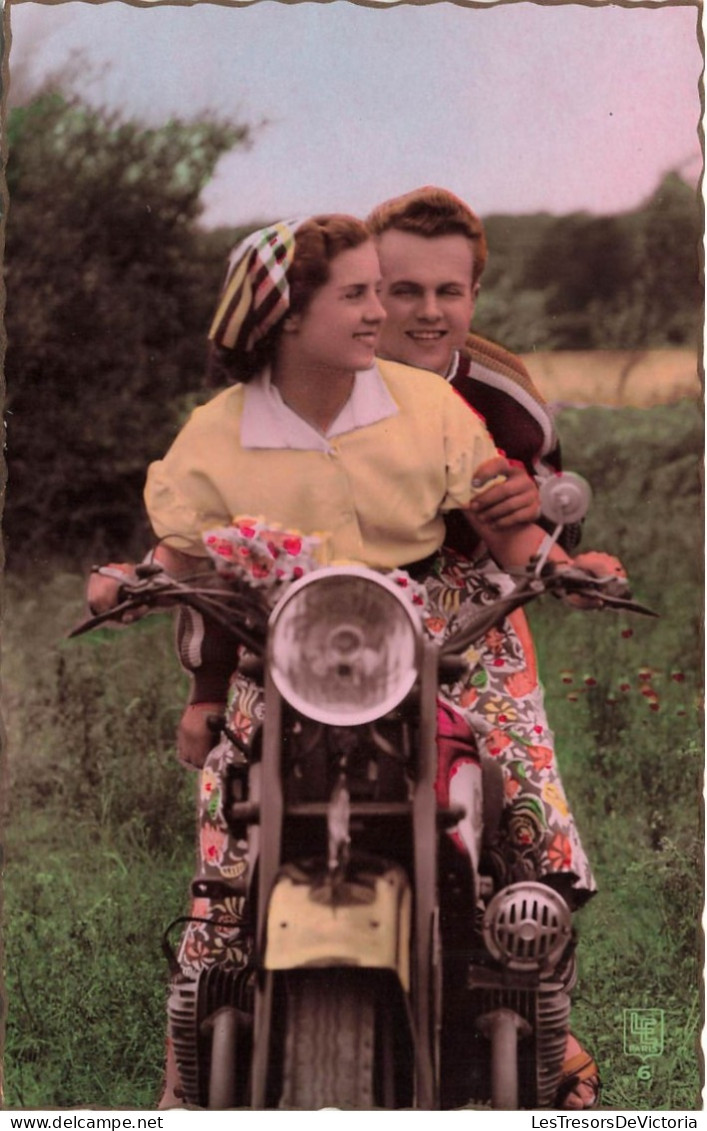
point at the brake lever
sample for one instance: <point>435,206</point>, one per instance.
<point>610,591</point>
<point>624,603</point>
<point>101,618</point>
<point>137,596</point>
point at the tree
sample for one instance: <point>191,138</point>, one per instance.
<point>597,282</point>
<point>110,284</point>
<point>668,239</point>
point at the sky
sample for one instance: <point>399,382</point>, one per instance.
<point>517,108</point>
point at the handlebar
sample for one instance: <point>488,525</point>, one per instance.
<point>241,611</point>
<point>236,608</point>
<point>562,582</point>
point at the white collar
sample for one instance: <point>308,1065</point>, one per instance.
<point>268,422</point>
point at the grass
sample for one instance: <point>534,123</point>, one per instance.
<point>99,844</point>
<point>99,829</point>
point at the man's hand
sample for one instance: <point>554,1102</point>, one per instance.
<point>513,502</point>
<point>195,736</point>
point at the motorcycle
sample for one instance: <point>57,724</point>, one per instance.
<point>384,968</point>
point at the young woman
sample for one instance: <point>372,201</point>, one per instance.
<point>319,437</point>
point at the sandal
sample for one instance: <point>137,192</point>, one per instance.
<point>579,1074</point>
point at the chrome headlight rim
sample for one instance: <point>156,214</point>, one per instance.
<point>317,712</point>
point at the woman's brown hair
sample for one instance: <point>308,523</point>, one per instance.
<point>318,241</point>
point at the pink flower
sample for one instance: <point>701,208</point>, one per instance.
<point>497,741</point>
<point>469,697</point>
<point>213,844</point>
<point>541,757</point>
<point>519,684</point>
<point>560,853</point>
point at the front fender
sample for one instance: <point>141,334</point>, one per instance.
<point>365,922</point>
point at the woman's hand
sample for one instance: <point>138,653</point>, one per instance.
<point>598,564</point>
<point>103,591</point>
<point>515,501</point>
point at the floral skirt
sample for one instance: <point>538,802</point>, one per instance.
<point>501,701</point>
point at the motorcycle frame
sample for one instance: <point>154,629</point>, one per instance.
<point>425,963</point>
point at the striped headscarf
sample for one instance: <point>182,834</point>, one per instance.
<point>256,294</point>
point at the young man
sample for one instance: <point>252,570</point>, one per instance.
<point>433,251</point>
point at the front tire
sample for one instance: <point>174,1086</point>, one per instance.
<point>343,1042</point>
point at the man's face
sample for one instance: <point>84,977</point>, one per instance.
<point>428,296</point>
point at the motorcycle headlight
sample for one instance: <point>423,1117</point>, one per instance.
<point>344,646</point>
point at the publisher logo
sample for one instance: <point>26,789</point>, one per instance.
<point>644,1032</point>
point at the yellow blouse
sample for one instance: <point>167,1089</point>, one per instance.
<point>379,490</point>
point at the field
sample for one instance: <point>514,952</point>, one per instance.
<point>638,378</point>
<point>99,827</point>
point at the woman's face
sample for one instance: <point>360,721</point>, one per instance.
<point>340,327</point>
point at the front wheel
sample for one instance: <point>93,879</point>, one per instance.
<point>346,1042</point>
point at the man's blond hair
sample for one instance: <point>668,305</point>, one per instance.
<point>431,212</point>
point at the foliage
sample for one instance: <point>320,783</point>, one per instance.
<point>99,833</point>
<point>106,310</point>
<point>596,282</point>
